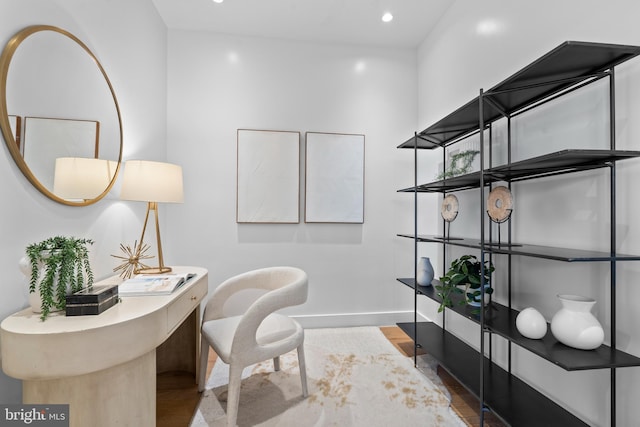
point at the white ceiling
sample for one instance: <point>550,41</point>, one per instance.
<point>339,21</point>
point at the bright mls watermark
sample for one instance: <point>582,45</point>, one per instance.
<point>34,415</point>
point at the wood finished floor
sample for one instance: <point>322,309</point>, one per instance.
<point>178,396</point>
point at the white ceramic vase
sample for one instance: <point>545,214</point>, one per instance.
<point>531,324</point>
<point>424,275</point>
<point>574,325</point>
<point>33,297</point>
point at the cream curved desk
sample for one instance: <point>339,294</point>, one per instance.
<point>105,366</point>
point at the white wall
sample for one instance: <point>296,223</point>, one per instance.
<point>218,84</point>
<point>131,47</point>
<point>455,61</point>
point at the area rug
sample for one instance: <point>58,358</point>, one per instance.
<point>356,377</point>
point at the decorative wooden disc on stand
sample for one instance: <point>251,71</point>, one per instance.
<point>499,209</point>
<point>449,212</point>
<point>500,204</point>
<point>449,209</point>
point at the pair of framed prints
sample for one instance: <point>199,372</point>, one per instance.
<point>268,177</point>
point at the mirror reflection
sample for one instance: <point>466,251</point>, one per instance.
<point>57,103</point>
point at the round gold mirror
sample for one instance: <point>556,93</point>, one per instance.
<point>59,115</point>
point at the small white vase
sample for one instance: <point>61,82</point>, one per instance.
<point>574,325</point>
<point>424,275</point>
<point>531,324</point>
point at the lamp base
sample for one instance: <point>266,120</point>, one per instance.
<point>153,270</point>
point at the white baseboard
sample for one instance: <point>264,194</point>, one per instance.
<point>344,320</point>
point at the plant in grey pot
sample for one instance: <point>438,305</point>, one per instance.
<point>464,277</point>
<point>56,267</point>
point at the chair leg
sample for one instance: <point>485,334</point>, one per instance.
<point>276,363</point>
<point>233,394</point>
<point>204,358</point>
<point>303,370</point>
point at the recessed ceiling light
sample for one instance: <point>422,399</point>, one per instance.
<point>218,1</point>
<point>387,17</point>
<point>489,27</point>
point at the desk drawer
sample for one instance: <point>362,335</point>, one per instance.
<point>181,307</point>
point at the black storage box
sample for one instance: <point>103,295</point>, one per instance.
<point>92,300</point>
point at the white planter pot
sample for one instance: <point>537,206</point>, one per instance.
<point>475,302</point>
<point>35,301</point>
<point>574,325</point>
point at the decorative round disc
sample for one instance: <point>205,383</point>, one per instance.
<point>449,209</point>
<point>500,204</point>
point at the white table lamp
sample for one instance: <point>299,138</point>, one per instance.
<point>81,178</point>
<point>152,182</point>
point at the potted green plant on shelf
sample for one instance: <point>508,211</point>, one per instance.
<point>459,164</point>
<point>464,277</point>
<point>56,267</point>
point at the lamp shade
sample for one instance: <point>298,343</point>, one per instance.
<point>82,178</point>
<point>148,181</point>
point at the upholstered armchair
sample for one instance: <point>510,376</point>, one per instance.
<point>259,333</point>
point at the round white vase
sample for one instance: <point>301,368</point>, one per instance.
<point>425,274</point>
<point>574,325</point>
<point>531,324</point>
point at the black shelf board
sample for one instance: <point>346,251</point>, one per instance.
<point>564,161</point>
<point>535,251</point>
<point>559,254</point>
<point>559,162</point>
<point>501,320</point>
<point>510,398</point>
<point>462,122</point>
<point>567,65</point>
<point>422,143</point>
<point>456,241</point>
<point>570,63</point>
<point>457,183</point>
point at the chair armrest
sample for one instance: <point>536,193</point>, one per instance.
<point>290,295</point>
<point>263,279</point>
<point>215,305</point>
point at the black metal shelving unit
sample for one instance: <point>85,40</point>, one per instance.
<point>567,68</point>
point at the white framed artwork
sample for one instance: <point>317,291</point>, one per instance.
<point>46,139</point>
<point>15,122</point>
<point>268,176</point>
<point>334,178</point>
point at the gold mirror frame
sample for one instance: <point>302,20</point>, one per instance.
<point>5,127</point>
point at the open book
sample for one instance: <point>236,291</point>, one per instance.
<point>157,284</point>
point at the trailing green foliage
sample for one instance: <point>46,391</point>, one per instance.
<point>464,272</point>
<point>459,164</point>
<point>66,262</point>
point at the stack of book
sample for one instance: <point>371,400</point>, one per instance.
<point>160,284</point>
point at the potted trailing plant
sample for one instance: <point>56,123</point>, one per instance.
<point>464,272</point>
<point>459,164</point>
<point>58,266</point>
